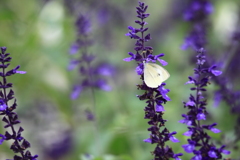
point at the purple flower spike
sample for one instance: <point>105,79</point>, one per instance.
<point>197,12</point>
<point>90,76</point>
<point>154,97</point>
<point>10,118</point>
<point>199,142</point>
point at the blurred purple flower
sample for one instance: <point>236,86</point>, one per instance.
<point>105,69</point>
<point>74,48</point>
<point>90,116</point>
<point>198,10</point>
<point>83,25</point>
<point>20,144</point>
<point>91,76</point>
<point>57,147</point>
<point>155,97</point>
<point>196,38</point>
<point>103,16</point>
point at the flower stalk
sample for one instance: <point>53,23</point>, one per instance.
<point>154,97</point>
<point>199,142</point>
<point>10,118</point>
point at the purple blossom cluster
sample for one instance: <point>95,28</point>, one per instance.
<point>196,13</point>
<point>10,118</point>
<point>154,97</point>
<point>94,76</point>
<point>199,142</point>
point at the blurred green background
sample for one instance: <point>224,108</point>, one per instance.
<point>38,34</point>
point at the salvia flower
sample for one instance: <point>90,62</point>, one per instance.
<point>196,13</point>
<point>154,97</point>
<point>92,76</point>
<point>10,118</point>
<point>199,142</point>
<point>198,10</point>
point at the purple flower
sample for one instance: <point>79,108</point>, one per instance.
<point>201,115</point>
<point>91,76</point>
<point>176,156</point>
<point>221,150</point>
<point>159,108</point>
<point>148,140</point>
<point>190,103</point>
<point>195,39</point>
<point>215,72</point>
<point>83,25</point>
<point>189,132</point>
<point>3,106</point>
<point>74,48</point>
<point>198,10</point>
<point>2,138</point>
<point>10,118</point>
<point>197,156</point>
<point>172,138</point>
<point>90,116</point>
<point>211,128</point>
<point>199,139</point>
<point>190,146</point>
<point>187,120</point>
<point>212,153</point>
<point>164,92</point>
<point>154,97</point>
<point>76,91</point>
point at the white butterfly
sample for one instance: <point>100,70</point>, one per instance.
<point>154,75</point>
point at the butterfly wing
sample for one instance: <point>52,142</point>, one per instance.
<point>164,75</point>
<point>154,75</point>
